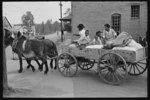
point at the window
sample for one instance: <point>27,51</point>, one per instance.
<point>135,11</point>
<point>116,22</point>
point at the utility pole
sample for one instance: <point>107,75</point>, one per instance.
<point>62,33</point>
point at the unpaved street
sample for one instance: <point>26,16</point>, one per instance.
<point>84,84</point>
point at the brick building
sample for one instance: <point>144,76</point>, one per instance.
<point>126,16</point>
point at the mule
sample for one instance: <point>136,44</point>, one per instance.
<point>51,50</point>
<point>30,49</point>
<point>8,39</point>
<point>14,36</point>
<point>34,49</point>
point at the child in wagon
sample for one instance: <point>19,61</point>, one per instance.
<point>97,39</point>
<point>85,41</point>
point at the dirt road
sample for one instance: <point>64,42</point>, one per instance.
<point>84,84</point>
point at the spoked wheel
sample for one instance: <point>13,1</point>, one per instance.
<point>67,65</point>
<point>86,65</point>
<point>112,68</point>
<point>137,68</point>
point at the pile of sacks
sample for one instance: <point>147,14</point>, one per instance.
<point>123,41</point>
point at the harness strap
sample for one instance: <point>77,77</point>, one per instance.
<point>14,44</point>
<point>23,45</point>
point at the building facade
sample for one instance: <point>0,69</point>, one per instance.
<point>122,16</point>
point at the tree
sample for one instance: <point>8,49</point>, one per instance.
<point>47,29</point>
<point>37,27</point>
<point>42,28</point>
<point>67,12</point>
<point>28,19</point>
<point>49,25</point>
<point>5,82</point>
<point>23,19</point>
<point>56,26</point>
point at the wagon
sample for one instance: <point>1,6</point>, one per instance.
<point>113,65</point>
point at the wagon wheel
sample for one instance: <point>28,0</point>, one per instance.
<point>67,64</point>
<point>86,65</point>
<point>112,68</point>
<point>137,68</point>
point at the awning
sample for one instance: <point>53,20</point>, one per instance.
<point>67,18</point>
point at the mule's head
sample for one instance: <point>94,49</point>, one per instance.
<point>8,37</point>
<point>18,40</point>
<point>17,35</point>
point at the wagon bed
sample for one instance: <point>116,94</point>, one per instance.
<point>129,61</point>
<point>94,53</point>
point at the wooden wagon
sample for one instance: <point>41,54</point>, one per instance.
<point>113,65</point>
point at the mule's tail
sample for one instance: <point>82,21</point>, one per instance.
<point>55,49</point>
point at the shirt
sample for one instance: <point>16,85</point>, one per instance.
<point>82,35</point>
<point>109,35</point>
<point>97,42</point>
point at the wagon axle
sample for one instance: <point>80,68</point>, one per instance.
<point>111,68</point>
<point>66,65</point>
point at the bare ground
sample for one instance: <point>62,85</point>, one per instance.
<point>30,84</point>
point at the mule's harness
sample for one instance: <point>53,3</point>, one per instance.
<point>14,44</point>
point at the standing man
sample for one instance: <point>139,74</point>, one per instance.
<point>108,34</point>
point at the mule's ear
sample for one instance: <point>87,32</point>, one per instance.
<point>19,34</point>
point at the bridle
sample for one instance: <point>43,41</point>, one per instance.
<point>15,42</point>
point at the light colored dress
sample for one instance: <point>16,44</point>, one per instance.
<point>82,35</point>
<point>82,38</point>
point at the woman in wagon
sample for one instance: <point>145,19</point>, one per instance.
<point>82,30</point>
<point>108,34</point>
